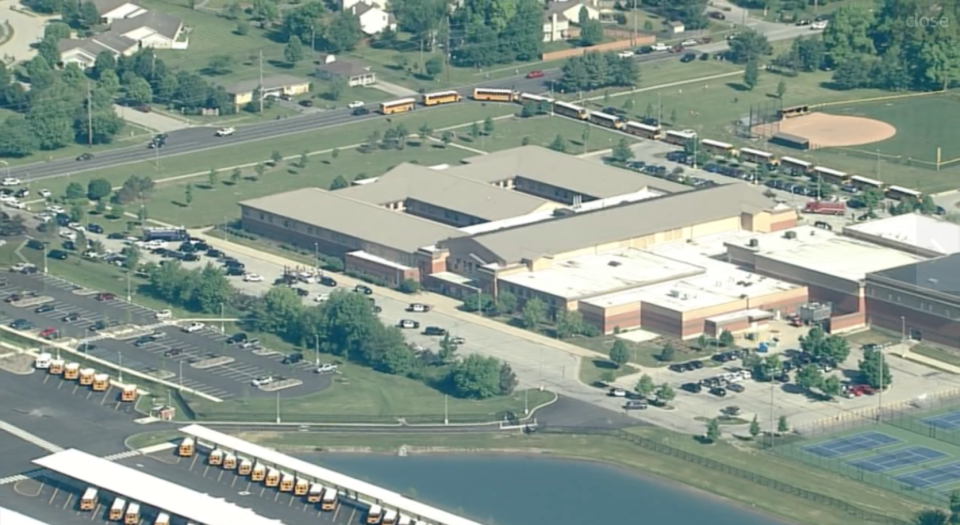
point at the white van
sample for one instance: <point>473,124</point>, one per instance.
<point>43,361</point>
<point>659,46</point>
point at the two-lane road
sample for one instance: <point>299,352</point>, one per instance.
<point>204,138</point>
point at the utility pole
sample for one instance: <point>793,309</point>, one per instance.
<point>89,116</point>
<point>316,348</point>
<point>260,88</point>
<point>447,68</point>
<point>634,13</point>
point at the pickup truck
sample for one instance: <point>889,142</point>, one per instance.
<point>825,208</point>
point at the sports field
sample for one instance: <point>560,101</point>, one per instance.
<point>916,455</point>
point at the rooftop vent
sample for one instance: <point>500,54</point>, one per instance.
<point>933,280</point>
<point>674,293</point>
<point>614,263</point>
<point>790,235</point>
<point>753,243</point>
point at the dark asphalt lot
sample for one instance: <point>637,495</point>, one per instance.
<point>203,138</point>
<point>226,381</point>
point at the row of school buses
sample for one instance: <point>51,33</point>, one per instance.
<point>120,511</point>
<point>83,376</point>
<point>797,167</point>
<point>326,497</point>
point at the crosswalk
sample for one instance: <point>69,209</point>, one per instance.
<point>122,455</point>
<point>13,479</point>
<point>112,457</point>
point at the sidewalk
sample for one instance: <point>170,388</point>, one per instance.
<point>153,120</point>
<point>393,89</point>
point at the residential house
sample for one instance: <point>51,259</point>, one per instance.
<point>244,92</point>
<point>373,20</point>
<point>354,72</point>
<point>84,52</point>
<point>571,10</point>
<point>345,5</point>
<point>152,29</point>
<point>556,27</point>
<point>111,10</point>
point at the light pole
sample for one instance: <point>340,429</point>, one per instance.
<point>120,366</point>
<point>446,410</point>
<point>903,329</point>
<point>278,408</point>
<point>44,259</point>
<point>223,330</point>
<point>180,376</point>
<point>316,348</point>
<point>316,254</point>
<point>7,164</point>
<point>129,294</point>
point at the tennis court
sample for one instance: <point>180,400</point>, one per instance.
<point>897,459</point>
<point>848,445</point>
<point>948,421</point>
<point>932,476</point>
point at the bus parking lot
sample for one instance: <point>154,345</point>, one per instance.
<point>179,357</point>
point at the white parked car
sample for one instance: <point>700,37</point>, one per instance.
<point>44,217</point>
<point>689,42</point>
<point>322,298</point>
<point>659,46</point>
<point>56,209</point>
<point>252,278</point>
<point>76,226</point>
<point>326,368</point>
<point>193,327</point>
<point>16,204</point>
<point>45,194</point>
<point>225,132</point>
<point>818,25</point>
<point>7,198</point>
<point>67,234</point>
<point>625,54</point>
<point>262,380</point>
<point>355,104</point>
<point>163,315</point>
<point>10,181</point>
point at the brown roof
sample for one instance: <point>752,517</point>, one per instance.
<point>344,68</point>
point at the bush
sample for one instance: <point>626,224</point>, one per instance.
<point>409,286</point>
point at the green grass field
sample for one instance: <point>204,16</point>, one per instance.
<point>909,431</point>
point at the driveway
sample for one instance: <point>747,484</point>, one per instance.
<point>27,30</point>
<point>153,121</point>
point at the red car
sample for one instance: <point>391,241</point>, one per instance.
<point>535,74</point>
<point>50,333</point>
<point>106,296</point>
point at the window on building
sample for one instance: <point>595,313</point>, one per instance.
<point>261,216</point>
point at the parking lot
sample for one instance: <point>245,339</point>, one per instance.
<point>179,357</point>
<point>55,499</point>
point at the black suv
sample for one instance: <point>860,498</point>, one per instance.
<point>292,359</point>
<point>360,111</point>
<point>239,337</point>
<point>328,281</point>
<point>434,330</point>
<point>689,57</point>
<point>58,254</point>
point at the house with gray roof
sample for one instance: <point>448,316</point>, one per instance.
<point>355,73</point>
<point>111,10</point>
<point>83,52</point>
<point>152,29</point>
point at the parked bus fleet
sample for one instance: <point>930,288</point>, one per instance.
<point>650,131</point>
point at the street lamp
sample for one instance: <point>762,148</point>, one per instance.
<point>181,375</point>
<point>903,329</point>
<point>7,164</point>
<point>120,366</point>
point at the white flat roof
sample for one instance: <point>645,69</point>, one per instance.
<point>453,278</point>
<point>828,253</point>
<point>363,489</point>
<point>139,486</point>
<point>9,517</point>
<point>913,229</point>
<point>360,254</point>
<point>713,289</point>
<point>596,274</point>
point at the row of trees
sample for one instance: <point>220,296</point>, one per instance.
<point>599,70</point>
<point>897,45</point>
<point>202,290</point>
<point>311,23</point>
<point>347,326</point>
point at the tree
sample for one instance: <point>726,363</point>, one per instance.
<point>243,27</point>
<point>645,386</point>
<point>293,52</point>
<point>336,87</point>
<point>447,138</point>
<point>343,33</point>
<point>335,153</point>
<point>104,61</point>
<point>667,353</point>
<point>932,517</point>
<point>338,183</point>
<point>265,10</point>
<point>188,194</point>
<point>219,64</point>
<point>74,192</point>
<point>702,342</point>
<point>726,338</point>
<point>212,178</point>
<point>622,152</point>
<point>781,89</point>
<point>927,205</point>
<point>751,75</point>
<point>235,175</point>
<point>619,353</point>
<point>132,261</point>
<point>259,169</point>
<point>409,286</point>
<point>276,158</point>
<point>569,323</point>
<point>754,427</point>
<point>422,18</point>
<point>782,425</point>
<point>139,92</point>
<point>488,126</point>
<point>748,46</point>
<point>508,380</point>
<point>591,32</point>
<point>474,130</point>
<point>477,377</point>
<point>17,138</point>
<point>88,16</point>
<point>559,144</point>
<point>276,312</point>
<point>447,349</point>
<point>831,387</point>
<point>142,214</point>
<point>665,393</point>
<point>534,312</point>
<point>809,377</point>
<point>713,431</point>
<point>98,189</point>
<point>870,369</point>
<point>433,67</point>
<point>77,213</point>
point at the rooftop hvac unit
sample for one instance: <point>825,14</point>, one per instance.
<point>790,235</point>
<point>674,293</point>
<point>753,243</point>
<point>614,263</point>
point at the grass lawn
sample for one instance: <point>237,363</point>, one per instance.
<point>128,136</point>
<point>361,394</point>
<point>541,131</point>
<point>935,352</point>
<point>872,336</point>
<point>593,371</point>
<point>220,204</point>
<point>290,145</point>
<point>645,353</point>
<point>622,453</point>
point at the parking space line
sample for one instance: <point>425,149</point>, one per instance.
<point>53,496</point>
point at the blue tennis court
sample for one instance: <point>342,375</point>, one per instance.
<point>932,476</point>
<point>948,421</point>
<point>845,446</point>
<point>897,458</point>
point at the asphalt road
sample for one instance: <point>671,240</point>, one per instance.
<point>225,381</point>
<point>204,138</point>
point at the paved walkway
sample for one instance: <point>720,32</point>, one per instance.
<point>154,121</point>
<point>27,30</point>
